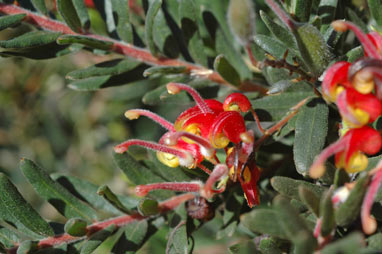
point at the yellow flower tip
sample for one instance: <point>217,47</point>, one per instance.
<point>363,81</point>
<point>172,88</point>
<point>168,159</point>
<point>339,26</point>
<point>247,137</point>
<point>362,116</point>
<point>358,162</point>
<point>369,225</point>
<point>219,141</point>
<point>232,107</point>
<point>132,115</point>
<point>316,171</point>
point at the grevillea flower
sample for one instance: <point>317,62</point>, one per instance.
<point>195,136</point>
<point>349,151</point>
<point>358,109</point>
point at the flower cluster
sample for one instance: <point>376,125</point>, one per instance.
<point>195,136</point>
<point>356,88</point>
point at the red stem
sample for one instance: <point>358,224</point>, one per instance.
<point>121,221</point>
<point>118,47</point>
<point>143,190</point>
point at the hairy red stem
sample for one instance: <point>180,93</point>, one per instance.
<point>164,206</point>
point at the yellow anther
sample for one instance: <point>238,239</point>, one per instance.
<point>193,129</point>
<point>168,159</point>
<point>232,107</point>
<point>247,175</point>
<point>339,89</point>
<point>363,81</point>
<point>219,141</point>
<point>131,115</point>
<point>358,162</point>
<point>361,116</point>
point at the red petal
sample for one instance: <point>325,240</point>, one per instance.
<point>231,123</point>
<point>335,75</point>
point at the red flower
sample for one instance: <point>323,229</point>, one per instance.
<point>349,151</point>
<point>358,109</point>
<point>197,132</point>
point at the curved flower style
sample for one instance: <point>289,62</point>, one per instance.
<point>195,136</point>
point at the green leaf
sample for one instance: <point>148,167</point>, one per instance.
<point>348,212</point>
<point>224,46</point>
<point>105,191</point>
<point>135,234</point>
<point>135,171</point>
<point>294,226</point>
<point>375,242</point>
<point>8,238</point>
<point>30,39</point>
<point>65,203</point>
<point>97,239</point>
<point>16,210</point>
<point>376,12</point>
<point>148,207</point>
<point>177,174</point>
<point>121,19</point>
<point>99,82</point>
<point>244,247</point>
<point>280,86</point>
<point>302,9</point>
<point>84,40</point>
<point>188,14</point>
<point>310,199</point>
<point>327,11</point>
<point>226,70</point>
<point>87,191</point>
<point>149,25</point>
<point>279,31</point>
<point>264,221</point>
<point>276,48</point>
<point>76,227</point>
<point>269,246</point>
<point>112,67</point>
<point>164,70</point>
<point>275,107</point>
<point>82,12</point>
<point>313,48</point>
<point>27,247</point>
<point>40,6</point>
<point>327,213</point>
<point>310,134</point>
<point>290,187</point>
<point>11,20</point>
<point>177,240</point>
<point>138,173</point>
<point>352,243</point>
<point>163,36</point>
<point>69,14</point>
<point>354,54</point>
